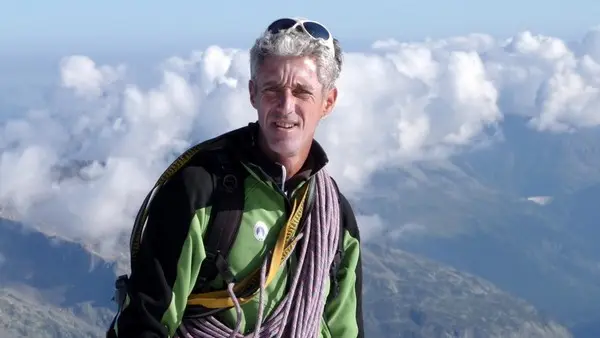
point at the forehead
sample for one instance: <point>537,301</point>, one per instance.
<point>288,69</point>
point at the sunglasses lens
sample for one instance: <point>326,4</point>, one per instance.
<point>316,30</point>
<point>281,24</point>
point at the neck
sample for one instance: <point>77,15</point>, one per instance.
<point>292,163</point>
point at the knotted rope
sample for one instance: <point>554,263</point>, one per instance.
<point>299,314</point>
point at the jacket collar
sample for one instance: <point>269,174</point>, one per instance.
<point>317,159</point>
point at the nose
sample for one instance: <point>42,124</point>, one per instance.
<point>287,101</point>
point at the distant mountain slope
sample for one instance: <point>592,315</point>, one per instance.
<point>63,272</point>
<point>50,287</point>
<point>411,296</point>
<point>25,315</point>
<point>528,162</point>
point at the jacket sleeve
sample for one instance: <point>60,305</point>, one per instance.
<point>167,263</point>
<point>343,314</point>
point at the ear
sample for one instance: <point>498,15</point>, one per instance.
<point>329,102</point>
<point>252,92</point>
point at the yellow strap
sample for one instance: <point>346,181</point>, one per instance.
<point>285,243</point>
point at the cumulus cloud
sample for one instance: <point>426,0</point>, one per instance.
<point>82,163</point>
<point>373,226</point>
<point>370,225</point>
<point>81,74</point>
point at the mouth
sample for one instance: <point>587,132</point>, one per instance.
<point>284,125</point>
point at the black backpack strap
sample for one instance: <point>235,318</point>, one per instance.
<point>222,228</point>
<point>224,222</point>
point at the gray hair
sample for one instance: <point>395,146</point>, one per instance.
<point>297,43</point>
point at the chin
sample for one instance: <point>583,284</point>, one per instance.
<point>286,149</point>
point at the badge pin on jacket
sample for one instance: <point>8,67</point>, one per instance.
<point>260,231</point>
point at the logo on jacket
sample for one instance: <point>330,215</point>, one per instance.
<point>260,231</point>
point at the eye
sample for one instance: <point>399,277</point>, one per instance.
<point>302,93</point>
<point>270,91</point>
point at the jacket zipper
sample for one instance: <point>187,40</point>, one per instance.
<point>278,188</point>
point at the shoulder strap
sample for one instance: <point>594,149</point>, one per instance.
<point>226,215</point>
<point>218,144</point>
<point>139,225</point>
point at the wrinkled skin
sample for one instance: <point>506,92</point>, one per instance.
<point>287,93</point>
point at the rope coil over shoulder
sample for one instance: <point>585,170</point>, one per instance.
<point>299,314</point>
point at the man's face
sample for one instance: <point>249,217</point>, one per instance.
<point>290,102</point>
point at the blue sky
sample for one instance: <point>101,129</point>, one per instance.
<point>78,26</point>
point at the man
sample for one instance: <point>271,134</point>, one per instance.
<point>288,264</point>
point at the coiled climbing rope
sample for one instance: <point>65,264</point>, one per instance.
<point>299,314</point>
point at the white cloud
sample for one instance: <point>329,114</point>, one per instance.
<point>400,102</point>
<point>81,74</point>
<point>371,226</point>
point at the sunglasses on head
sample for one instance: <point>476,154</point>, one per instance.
<point>310,27</point>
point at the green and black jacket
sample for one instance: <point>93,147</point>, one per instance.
<point>172,250</point>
